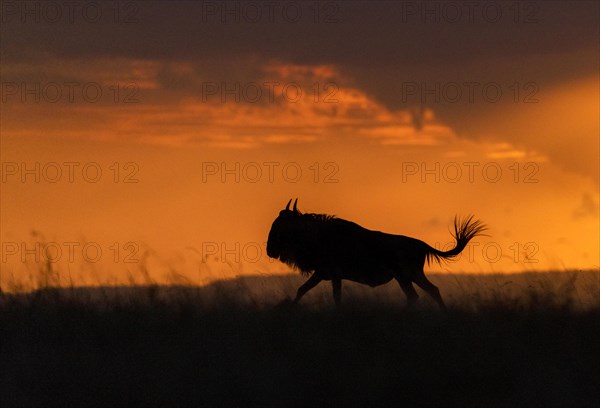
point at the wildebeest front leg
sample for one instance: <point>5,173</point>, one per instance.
<point>308,285</point>
<point>337,291</point>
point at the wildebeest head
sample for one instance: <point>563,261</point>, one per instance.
<point>283,231</point>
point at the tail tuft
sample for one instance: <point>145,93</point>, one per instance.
<point>464,231</point>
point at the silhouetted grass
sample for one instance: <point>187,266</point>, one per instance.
<point>233,344</point>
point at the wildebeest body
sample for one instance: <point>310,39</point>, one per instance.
<point>345,250</point>
<point>335,249</point>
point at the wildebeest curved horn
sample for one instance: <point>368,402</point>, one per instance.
<point>287,207</point>
<point>295,202</point>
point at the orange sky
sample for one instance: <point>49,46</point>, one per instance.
<point>367,151</point>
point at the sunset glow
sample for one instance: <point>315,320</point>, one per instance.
<point>173,152</point>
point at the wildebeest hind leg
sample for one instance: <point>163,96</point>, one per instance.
<point>308,285</point>
<point>429,287</point>
<point>409,291</point>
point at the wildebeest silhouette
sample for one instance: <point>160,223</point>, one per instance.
<point>334,249</point>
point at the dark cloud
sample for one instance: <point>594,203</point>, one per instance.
<point>382,47</point>
<point>366,33</point>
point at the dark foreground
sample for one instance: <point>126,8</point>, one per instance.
<point>147,350</point>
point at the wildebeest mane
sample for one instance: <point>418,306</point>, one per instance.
<point>303,251</point>
<point>319,217</point>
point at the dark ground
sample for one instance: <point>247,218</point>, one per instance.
<point>228,346</point>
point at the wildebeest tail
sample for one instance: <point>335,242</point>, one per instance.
<point>464,231</point>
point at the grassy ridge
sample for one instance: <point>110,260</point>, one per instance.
<point>230,344</point>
